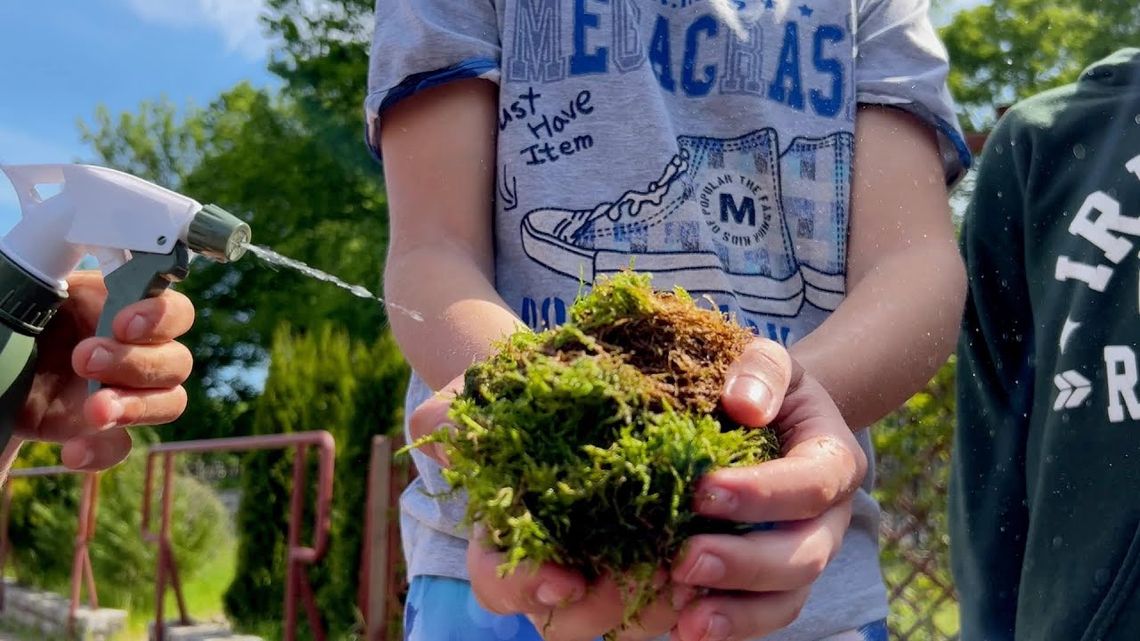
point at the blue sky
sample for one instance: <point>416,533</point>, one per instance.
<point>62,59</point>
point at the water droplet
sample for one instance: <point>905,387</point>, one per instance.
<point>1079,151</point>
<point>1137,119</point>
<point>1058,542</point>
<point>998,149</point>
<point>273,258</point>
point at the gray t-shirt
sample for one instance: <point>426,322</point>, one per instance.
<point>710,141</point>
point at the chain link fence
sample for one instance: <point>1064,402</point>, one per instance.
<point>913,464</point>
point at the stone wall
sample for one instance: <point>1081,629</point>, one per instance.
<point>47,614</point>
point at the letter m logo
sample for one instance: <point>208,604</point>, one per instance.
<point>738,212</point>
<point>538,42</point>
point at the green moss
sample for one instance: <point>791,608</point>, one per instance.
<point>582,445</point>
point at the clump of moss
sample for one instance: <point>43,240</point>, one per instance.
<point>582,444</point>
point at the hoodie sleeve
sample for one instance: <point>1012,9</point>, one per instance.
<point>988,516</point>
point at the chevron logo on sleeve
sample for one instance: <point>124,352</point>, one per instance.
<point>1072,389</point>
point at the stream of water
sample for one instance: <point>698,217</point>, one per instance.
<point>274,258</point>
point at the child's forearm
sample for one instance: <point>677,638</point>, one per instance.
<point>891,334</point>
<point>439,165</point>
<point>462,314</point>
<point>906,281</point>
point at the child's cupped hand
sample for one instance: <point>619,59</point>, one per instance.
<point>730,587</point>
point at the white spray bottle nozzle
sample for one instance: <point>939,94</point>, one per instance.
<point>142,235</point>
<point>102,212</point>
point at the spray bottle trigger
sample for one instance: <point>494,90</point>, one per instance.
<point>145,275</point>
<point>110,259</point>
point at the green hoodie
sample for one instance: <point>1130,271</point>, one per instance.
<point>1045,490</point>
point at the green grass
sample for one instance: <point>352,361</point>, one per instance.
<point>922,592</point>
<point>203,593</point>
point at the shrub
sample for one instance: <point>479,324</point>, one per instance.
<point>317,380</point>
<point>44,519</point>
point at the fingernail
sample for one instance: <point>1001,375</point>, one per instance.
<point>137,327</point>
<point>717,501</point>
<point>85,460</point>
<point>440,455</point>
<point>114,410</point>
<point>681,596</point>
<point>708,569</point>
<point>99,360</point>
<point>551,595</point>
<point>751,389</point>
<point>718,628</point>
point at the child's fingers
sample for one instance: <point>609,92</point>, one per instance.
<point>756,382</point>
<point>824,472</point>
<point>432,415</point>
<point>787,558</point>
<point>425,420</point>
<point>735,616</point>
<point>822,465</point>
<point>526,590</point>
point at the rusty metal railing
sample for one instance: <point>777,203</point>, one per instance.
<point>296,580</point>
<point>81,559</point>
<point>381,581</point>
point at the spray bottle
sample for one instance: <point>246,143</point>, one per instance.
<point>143,237</point>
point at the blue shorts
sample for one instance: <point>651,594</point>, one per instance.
<point>442,609</point>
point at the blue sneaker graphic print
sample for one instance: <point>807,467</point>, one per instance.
<point>716,222</point>
<point>816,179</point>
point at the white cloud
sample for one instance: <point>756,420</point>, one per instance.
<point>237,21</point>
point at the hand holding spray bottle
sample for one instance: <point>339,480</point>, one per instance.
<point>143,237</point>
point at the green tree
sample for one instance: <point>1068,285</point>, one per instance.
<point>378,403</point>
<point>310,386</point>
<point>249,151</point>
<point>319,379</point>
<point>323,61</point>
<point>292,163</point>
<point>1006,50</point>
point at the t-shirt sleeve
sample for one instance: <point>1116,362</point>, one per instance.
<point>420,44</point>
<point>901,62</point>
